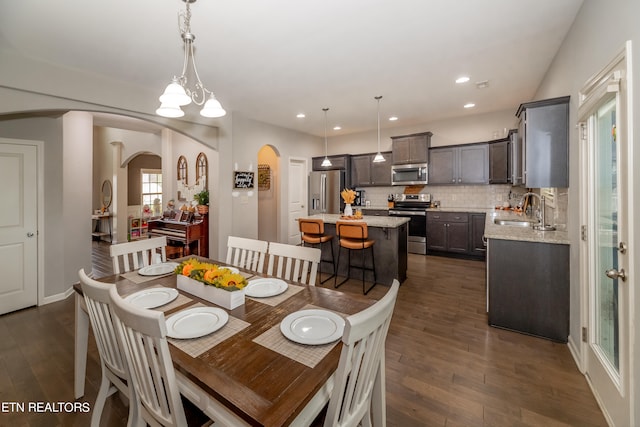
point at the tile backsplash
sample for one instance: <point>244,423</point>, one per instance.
<point>473,196</point>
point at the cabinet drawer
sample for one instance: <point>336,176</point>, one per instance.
<point>448,216</point>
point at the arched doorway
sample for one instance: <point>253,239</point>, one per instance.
<point>268,193</point>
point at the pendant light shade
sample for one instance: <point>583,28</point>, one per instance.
<point>378,157</point>
<point>326,162</point>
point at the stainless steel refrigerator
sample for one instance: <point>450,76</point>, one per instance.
<point>324,192</point>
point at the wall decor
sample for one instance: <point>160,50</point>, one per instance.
<point>243,179</point>
<point>182,175</point>
<point>264,177</point>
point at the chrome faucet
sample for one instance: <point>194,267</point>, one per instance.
<point>542,226</point>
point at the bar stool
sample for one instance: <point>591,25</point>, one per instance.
<point>354,236</point>
<point>312,233</point>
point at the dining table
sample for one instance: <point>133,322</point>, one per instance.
<point>247,372</point>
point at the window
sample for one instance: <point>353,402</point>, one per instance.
<point>152,189</point>
<point>201,170</point>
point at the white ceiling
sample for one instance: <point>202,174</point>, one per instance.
<point>270,60</point>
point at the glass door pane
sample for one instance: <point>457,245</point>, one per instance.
<point>606,226</point>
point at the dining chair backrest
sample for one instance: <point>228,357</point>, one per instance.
<point>296,263</point>
<point>114,365</point>
<point>138,253</point>
<point>143,334</point>
<point>361,364</point>
<point>246,253</point>
<point>352,230</point>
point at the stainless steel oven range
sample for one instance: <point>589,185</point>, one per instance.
<point>414,206</point>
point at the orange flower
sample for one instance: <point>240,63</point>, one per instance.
<point>186,269</point>
<point>213,274</point>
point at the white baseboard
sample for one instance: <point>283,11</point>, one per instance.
<point>57,297</point>
<point>574,349</point>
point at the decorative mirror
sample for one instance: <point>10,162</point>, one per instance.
<point>201,169</point>
<point>107,194</point>
<point>182,170</point>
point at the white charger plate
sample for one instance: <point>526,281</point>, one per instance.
<point>158,269</point>
<point>312,327</point>
<point>152,298</point>
<point>196,322</point>
<point>265,287</point>
<point>231,269</point>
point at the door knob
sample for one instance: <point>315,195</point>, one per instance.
<point>30,234</point>
<point>615,274</point>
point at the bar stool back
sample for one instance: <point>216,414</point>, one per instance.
<point>312,234</point>
<point>354,236</point>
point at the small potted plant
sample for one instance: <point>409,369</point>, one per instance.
<point>203,201</point>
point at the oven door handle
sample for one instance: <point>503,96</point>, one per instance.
<point>407,213</point>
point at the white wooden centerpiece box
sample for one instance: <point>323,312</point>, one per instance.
<point>218,296</point>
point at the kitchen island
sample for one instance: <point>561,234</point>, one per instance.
<point>390,249</point>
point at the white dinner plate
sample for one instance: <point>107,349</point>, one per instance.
<point>231,269</point>
<point>158,269</point>
<point>196,322</point>
<point>312,327</point>
<point>265,287</point>
<point>153,297</point>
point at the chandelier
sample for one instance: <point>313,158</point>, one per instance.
<point>378,157</point>
<point>326,162</point>
<point>177,93</point>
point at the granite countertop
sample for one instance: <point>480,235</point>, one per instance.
<point>377,208</point>
<point>528,234</point>
<point>371,221</point>
<point>471,210</point>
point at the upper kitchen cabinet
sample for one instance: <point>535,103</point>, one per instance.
<point>410,149</point>
<point>459,164</point>
<point>500,161</point>
<point>366,173</point>
<point>340,162</point>
<point>544,135</point>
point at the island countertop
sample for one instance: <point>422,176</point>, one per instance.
<point>371,221</point>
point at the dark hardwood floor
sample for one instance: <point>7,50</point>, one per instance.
<point>445,366</point>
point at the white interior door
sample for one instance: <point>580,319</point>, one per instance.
<point>605,134</point>
<point>18,226</point>
<point>297,197</point>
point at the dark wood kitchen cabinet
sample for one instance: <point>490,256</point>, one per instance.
<point>500,161</point>
<point>459,164</point>
<point>448,232</point>
<point>543,133</point>
<point>411,149</point>
<point>364,172</point>
<point>528,286</point>
<point>476,235</point>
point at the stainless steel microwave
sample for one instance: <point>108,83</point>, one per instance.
<point>409,174</point>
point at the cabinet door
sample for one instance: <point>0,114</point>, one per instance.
<point>499,162</point>
<point>401,150</point>
<point>473,164</point>
<point>419,149</point>
<point>476,235</point>
<point>360,170</point>
<point>442,166</point>
<point>436,235</point>
<point>381,172</point>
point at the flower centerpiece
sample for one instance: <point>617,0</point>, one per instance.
<point>349,196</point>
<point>212,282</point>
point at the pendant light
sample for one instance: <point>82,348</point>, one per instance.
<point>378,157</point>
<point>326,162</point>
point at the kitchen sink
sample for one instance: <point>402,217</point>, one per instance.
<point>514,222</point>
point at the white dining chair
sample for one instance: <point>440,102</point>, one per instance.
<point>359,387</point>
<point>143,336</point>
<point>296,263</point>
<point>115,371</point>
<point>246,253</point>
<point>138,253</point>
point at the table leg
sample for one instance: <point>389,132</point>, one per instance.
<point>80,347</point>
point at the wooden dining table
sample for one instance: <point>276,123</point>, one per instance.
<point>251,374</point>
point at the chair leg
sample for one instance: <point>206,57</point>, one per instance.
<point>373,267</point>
<point>333,262</point>
<point>103,392</point>
<point>335,285</point>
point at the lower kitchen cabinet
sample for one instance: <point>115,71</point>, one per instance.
<point>477,244</point>
<point>448,232</point>
<point>528,287</point>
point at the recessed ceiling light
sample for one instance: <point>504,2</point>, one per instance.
<point>462,79</point>
<point>337,127</point>
<point>393,118</point>
<point>301,116</point>
<point>469,105</point>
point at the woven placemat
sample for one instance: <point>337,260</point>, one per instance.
<point>196,346</point>
<point>309,355</point>
<point>137,278</point>
<point>277,299</point>
<point>179,301</point>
